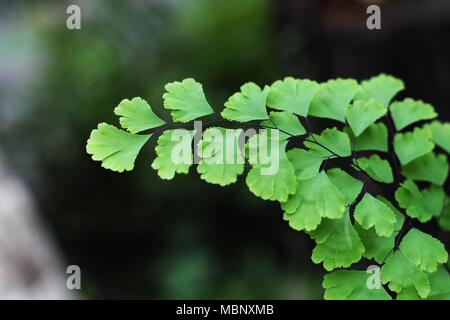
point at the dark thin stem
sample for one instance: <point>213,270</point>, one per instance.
<point>308,125</point>
<point>398,239</point>
<point>324,164</point>
<point>391,151</point>
<point>324,147</point>
<point>351,161</point>
<point>273,128</point>
<point>387,255</point>
<point>168,126</point>
<point>209,123</point>
<point>399,236</point>
<point>251,125</point>
<point>317,142</point>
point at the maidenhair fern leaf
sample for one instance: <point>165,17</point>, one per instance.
<point>444,218</point>
<point>378,247</point>
<point>136,115</point>
<point>306,164</point>
<point>314,199</point>
<point>221,159</point>
<point>371,212</point>
<point>174,153</point>
<point>333,98</point>
<point>361,114</point>
<point>115,148</point>
<point>412,145</point>
<point>375,137</point>
<point>275,187</point>
<point>377,168</point>
<point>337,243</point>
<point>409,111</point>
<point>246,105</point>
<point>330,140</point>
<point>186,100</point>
<point>351,285</point>
<point>401,274</point>
<point>418,255</point>
<point>423,250</point>
<point>272,176</point>
<point>292,95</point>
<point>288,124</point>
<point>430,167</point>
<point>422,205</point>
<point>349,186</point>
<point>382,88</point>
<point>440,284</point>
<point>440,134</point>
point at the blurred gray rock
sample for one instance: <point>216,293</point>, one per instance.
<point>30,267</point>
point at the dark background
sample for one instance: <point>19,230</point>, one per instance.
<point>132,234</point>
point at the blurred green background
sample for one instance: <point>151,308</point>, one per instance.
<point>132,234</point>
